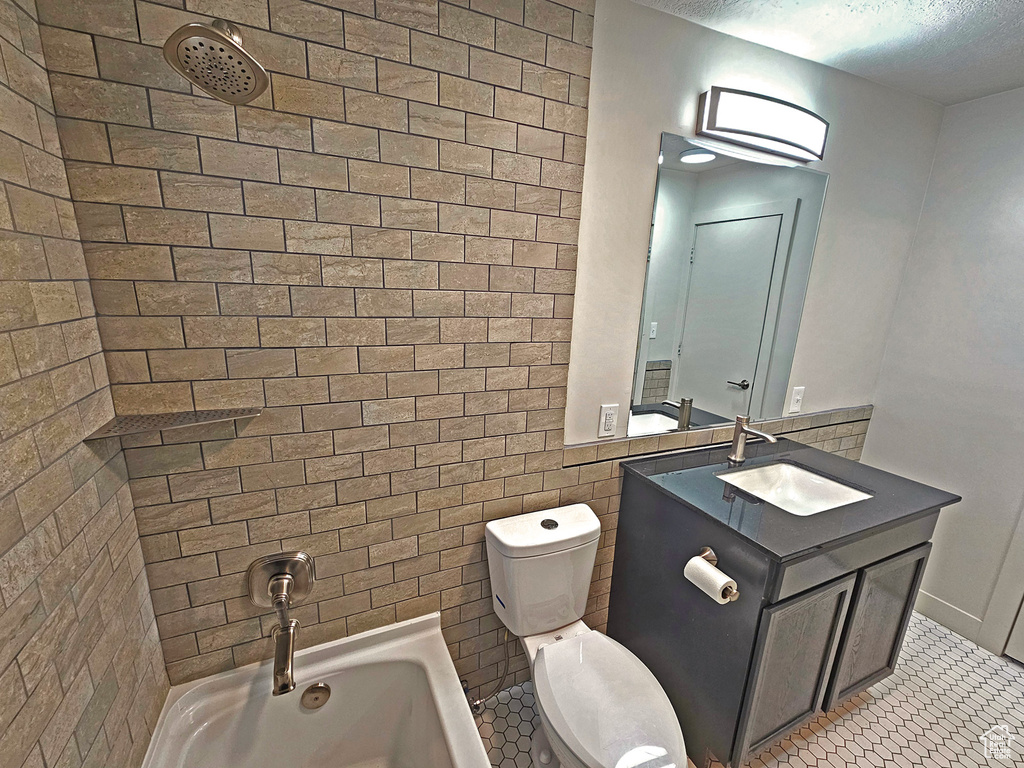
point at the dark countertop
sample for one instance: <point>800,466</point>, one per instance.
<point>691,477</point>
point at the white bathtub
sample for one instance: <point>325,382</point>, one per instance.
<point>396,702</point>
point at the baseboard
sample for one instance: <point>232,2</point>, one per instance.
<point>948,615</point>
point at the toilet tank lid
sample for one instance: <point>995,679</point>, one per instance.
<point>543,532</point>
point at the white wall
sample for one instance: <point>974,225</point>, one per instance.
<point>949,408</point>
<point>747,184</point>
<point>671,238</point>
<point>648,70</point>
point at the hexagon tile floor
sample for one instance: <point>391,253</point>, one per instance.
<point>932,712</point>
<point>507,724</point>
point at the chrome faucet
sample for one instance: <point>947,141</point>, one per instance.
<point>685,407</point>
<point>739,440</point>
<point>280,581</point>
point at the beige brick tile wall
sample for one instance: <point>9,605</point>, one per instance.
<point>381,251</point>
<point>80,662</point>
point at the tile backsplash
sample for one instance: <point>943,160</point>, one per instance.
<point>379,557</point>
<point>657,374</point>
<point>80,663</point>
<point>380,251</point>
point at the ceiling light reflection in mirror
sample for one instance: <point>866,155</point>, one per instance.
<point>696,156</point>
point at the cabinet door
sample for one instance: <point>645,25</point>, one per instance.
<point>879,614</point>
<point>796,645</point>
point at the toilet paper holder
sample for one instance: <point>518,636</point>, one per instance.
<point>709,554</point>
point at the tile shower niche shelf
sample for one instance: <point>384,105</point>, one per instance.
<point>154,422</point>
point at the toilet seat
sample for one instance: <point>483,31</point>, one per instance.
<point>605,706</point>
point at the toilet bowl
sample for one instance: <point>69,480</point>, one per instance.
<point>599,706</point>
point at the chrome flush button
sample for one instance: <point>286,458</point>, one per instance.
<point>549,524</point>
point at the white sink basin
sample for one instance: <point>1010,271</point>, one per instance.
<point>640,424</point>
<point>793,489</point>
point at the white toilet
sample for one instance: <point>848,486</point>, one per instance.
<point>599,706</point>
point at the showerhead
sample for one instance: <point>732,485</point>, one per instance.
<point>212,57</point>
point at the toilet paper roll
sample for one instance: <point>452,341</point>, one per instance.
<point>708,579</point>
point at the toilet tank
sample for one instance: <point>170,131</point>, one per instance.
<point>540,565</point>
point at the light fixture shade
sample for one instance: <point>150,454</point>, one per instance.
<point>761,122</point>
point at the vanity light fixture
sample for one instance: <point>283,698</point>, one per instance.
<point>695,156</point>
<point>761,122</point>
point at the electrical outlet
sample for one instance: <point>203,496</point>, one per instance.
<point>654,331</point>
<point>797,400</point>
<point>609,418</point>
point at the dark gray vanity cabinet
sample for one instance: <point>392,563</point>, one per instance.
<point>793,658</point>
<point>882,604</point>
<point>824,600</point>
<point>824,645</point>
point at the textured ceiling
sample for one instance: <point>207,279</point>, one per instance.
<point>945,50</point>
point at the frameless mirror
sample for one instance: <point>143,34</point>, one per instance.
<point>727,267</point>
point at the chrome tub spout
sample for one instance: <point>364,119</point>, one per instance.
<point>284,655</point>
<point>280,581</point>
